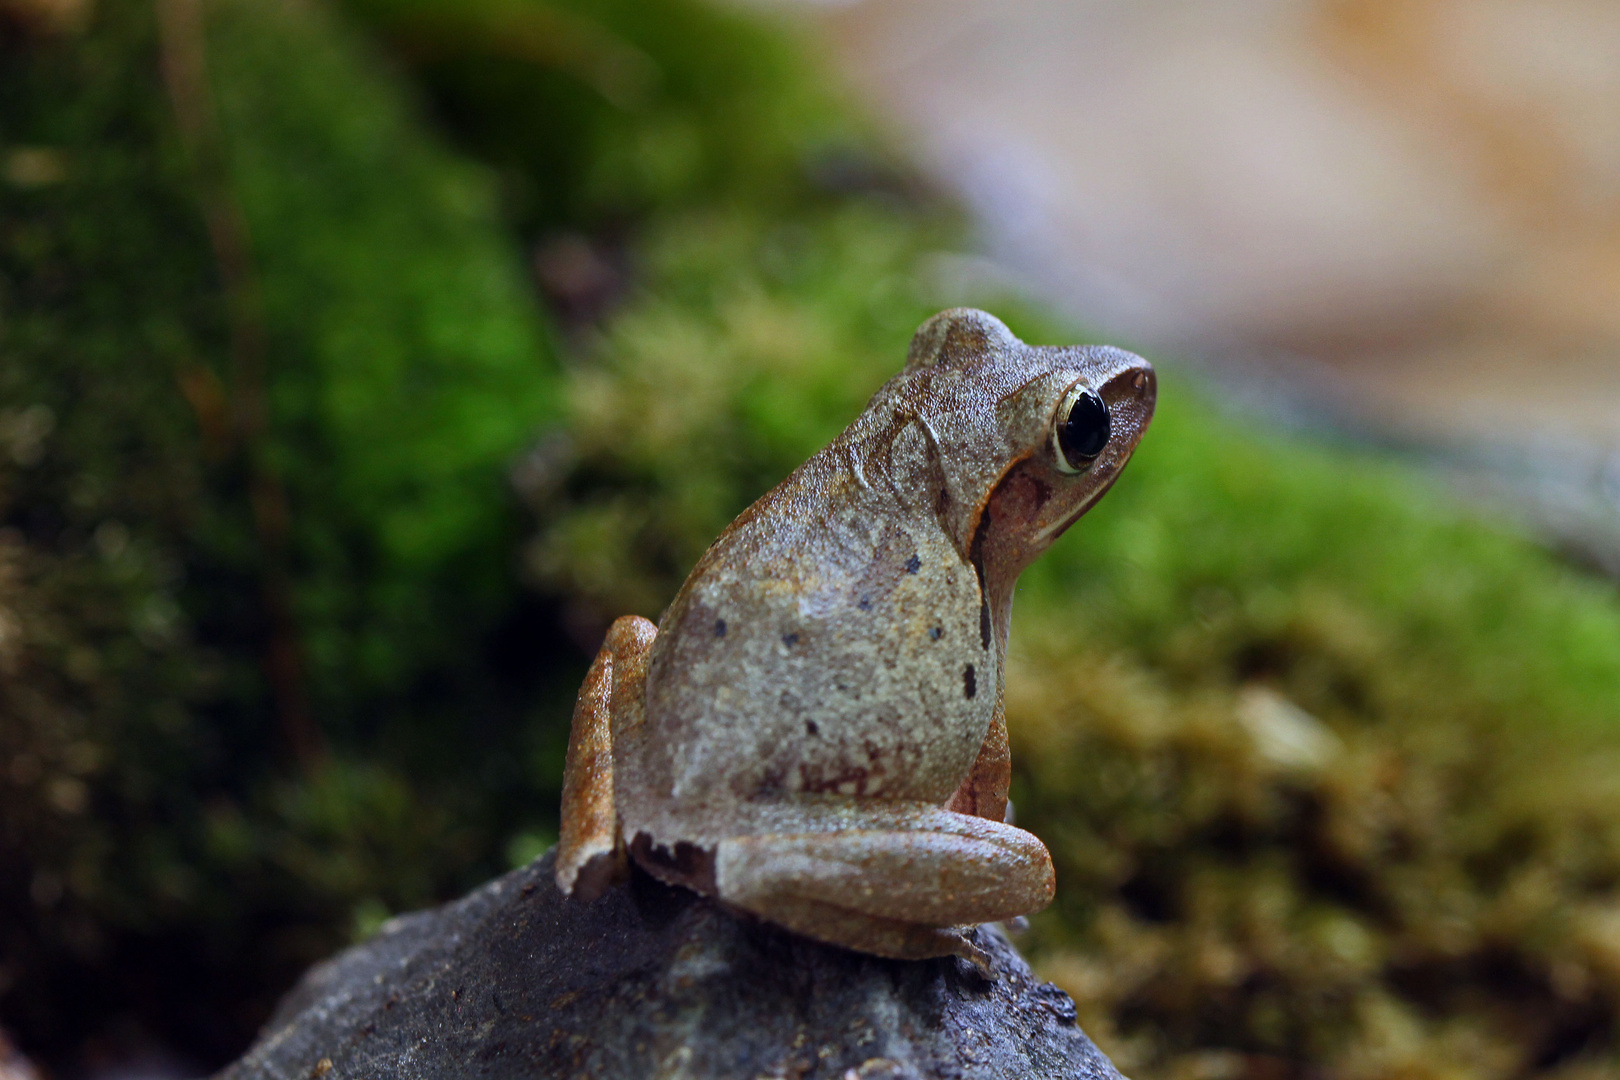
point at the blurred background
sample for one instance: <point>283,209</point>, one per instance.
<point>360,360</point>
<point>1381,215</point>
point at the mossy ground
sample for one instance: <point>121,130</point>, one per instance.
<point>1325,762</point>
<point>265,352</point>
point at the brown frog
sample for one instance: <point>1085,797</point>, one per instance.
<point>813,733</point>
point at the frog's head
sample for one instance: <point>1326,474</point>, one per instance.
<point>1028,437</point>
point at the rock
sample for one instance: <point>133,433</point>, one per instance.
<point>513,980</point>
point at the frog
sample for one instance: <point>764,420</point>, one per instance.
<point>814,732</point>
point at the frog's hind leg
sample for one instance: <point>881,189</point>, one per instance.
<point>590,856</point>
<point>895,879</point>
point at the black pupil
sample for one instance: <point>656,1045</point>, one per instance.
<point>1084,434</point>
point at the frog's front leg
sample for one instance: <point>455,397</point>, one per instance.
<point>590,855</point>
<point>890,878</point>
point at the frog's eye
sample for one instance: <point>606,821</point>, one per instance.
<point>1081,430</point>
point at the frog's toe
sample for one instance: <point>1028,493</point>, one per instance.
<point>969,950</point>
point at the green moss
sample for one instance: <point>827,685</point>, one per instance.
<point>406,366</point>
<point>159,844</point>
<point>601,113</point>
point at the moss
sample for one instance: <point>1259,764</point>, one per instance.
<point>170,837</point>
<point>406,358</point>
<point>603,113</point>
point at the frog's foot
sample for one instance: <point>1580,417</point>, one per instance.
<point>894,879</point>
<point>589,855</point>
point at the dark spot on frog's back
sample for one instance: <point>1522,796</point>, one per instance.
<point>936,633</point>
<point>914,564</point>
<point>970,682</point>
<point>811,728</point>
<point>790,640</point>
<point>864,603</point>
<point>843,778</point>
<point>719,628</point>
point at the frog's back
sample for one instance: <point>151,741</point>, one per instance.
<point>826,644</point>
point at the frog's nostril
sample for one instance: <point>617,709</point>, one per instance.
<point>1139,381</point>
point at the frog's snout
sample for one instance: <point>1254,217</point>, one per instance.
<point>1146,385</point>
<point>1131,394</point>
<point>1137,384</point>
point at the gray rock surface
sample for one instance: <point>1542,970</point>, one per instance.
<point>650,981</point>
